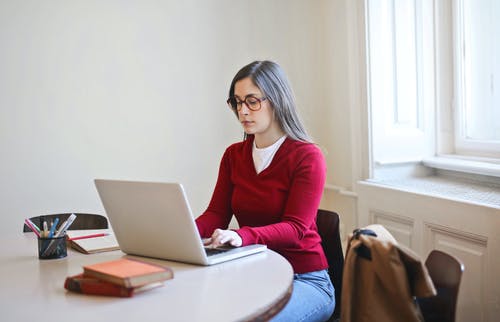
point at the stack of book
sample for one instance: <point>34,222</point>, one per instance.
<point>122,278</point>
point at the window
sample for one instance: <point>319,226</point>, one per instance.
<point>477,77</point>
<point>401,91</point>
<point>433,82</point>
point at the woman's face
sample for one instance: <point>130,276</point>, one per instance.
<point>261,122</point>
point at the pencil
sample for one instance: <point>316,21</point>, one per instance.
<point>32,226</point>
<point>89,236</point>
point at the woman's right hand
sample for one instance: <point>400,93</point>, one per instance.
<point>222,237</point>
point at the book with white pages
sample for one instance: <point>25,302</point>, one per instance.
<point>93,244</point>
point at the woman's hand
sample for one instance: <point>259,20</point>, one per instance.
<point>221,237</point>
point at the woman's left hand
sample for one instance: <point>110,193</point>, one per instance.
<point>221,237</point>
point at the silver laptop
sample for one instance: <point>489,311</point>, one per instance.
<point>154,219</point>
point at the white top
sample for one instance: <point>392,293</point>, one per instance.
<point>262,157</point>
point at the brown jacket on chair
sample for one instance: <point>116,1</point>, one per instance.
<point>383,288</point>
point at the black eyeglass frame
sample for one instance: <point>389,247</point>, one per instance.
<point>236,105</point>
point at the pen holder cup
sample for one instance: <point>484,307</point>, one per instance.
<point>51,248</point>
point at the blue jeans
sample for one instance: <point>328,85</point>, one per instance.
<point>313,298</point>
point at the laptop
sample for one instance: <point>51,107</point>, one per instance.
<point>154,219</point>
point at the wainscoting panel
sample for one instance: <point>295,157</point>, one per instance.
<point>471,249</point>
<point>401,227</point>
<point>423,222</point>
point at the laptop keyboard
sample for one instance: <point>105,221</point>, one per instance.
<point>215,251</point>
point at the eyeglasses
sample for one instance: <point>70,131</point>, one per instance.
<point>253,103</point>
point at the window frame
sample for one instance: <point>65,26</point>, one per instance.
<point>439,144</point>
<point>389,137</point>
<point>463,146</point>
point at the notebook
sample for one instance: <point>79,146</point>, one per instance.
<point>154,219</point>
<point>77,240</point>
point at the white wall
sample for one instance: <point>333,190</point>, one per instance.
<point>136,90</point>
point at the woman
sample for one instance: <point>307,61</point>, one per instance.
<point>272,182</point>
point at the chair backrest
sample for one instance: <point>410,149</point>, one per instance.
<point>446,273</point>
<point>328,228</point>
<point>82,221</point>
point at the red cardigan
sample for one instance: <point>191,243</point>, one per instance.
<point>276,207</point>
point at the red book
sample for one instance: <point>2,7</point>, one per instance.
<point>128,272</point>
<point>90,285</point>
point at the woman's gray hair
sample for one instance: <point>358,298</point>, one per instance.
<point>270,78</point>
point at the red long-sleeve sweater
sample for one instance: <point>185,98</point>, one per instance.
<point>276,207</point>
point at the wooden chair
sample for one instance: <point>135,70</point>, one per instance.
<point>328,228</point>
<point>82,221</point>
<point>446,273</point>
